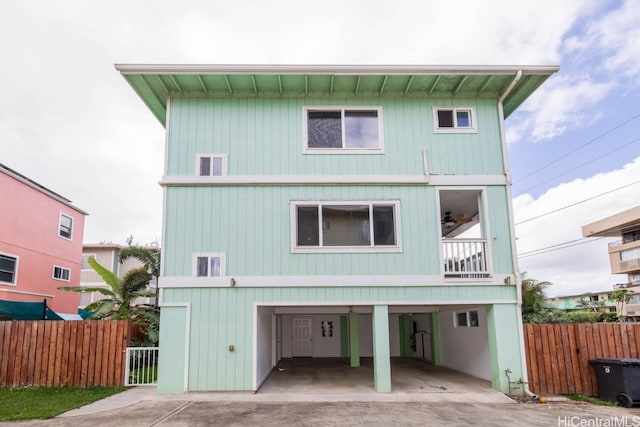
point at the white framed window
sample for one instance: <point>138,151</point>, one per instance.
<point>211,164</point>
<point>8,269</point>
<point>345,226</point>
<point>61,273</point>
<point>65,226</point>
<point>454,120</point>
<point>209,265</point>
<point>85,261</point>
<point>342,130</point>
<point>463,319</point>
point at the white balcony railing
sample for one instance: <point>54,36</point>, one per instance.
<point>465,258</point>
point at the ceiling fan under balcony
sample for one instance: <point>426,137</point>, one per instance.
<point>451,220</point>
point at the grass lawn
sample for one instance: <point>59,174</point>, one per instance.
<point>28,403</point>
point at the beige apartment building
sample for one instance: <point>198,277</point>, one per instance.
<point>624,253</point>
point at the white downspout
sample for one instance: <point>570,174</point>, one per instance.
<point>512,229</point>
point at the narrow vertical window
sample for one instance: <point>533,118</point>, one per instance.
<point>65,228</point>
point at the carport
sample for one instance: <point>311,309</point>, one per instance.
<point>369,348</point>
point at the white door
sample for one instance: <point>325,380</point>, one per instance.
<point>301,337</point>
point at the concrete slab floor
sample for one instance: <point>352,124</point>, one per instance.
<point>412,378</point>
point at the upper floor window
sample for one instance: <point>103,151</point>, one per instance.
<point>339,130</point>
<point>61,273</point>
<point>630,236</point>
<point>211,164</point>
<point>65,227</point>
<point>346,226</point>
<point>208,265</point>
<point>8,268</point>
<point>454,120</point>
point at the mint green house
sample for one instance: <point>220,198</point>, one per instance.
<point>335,211</point>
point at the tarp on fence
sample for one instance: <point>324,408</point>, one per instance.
<point>18,310</point>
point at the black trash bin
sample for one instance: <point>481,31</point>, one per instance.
<point>618,380</point>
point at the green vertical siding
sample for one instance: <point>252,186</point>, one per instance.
<point>264,137</point>
<point>252,225</point>
<point>224,316</point>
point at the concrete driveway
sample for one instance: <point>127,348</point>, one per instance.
<point>328,392</point>
<point>225,413</point>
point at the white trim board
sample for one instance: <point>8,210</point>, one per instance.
<point>173,181</point>
<point>328,281</point>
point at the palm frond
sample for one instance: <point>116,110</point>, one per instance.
<point>82,289</point>
<point>146,256</point>
<point>108,276</point>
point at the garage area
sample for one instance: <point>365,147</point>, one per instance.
<point>332,349</point>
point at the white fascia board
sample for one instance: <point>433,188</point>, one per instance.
<point>326,281</point>
<point>333,69</point>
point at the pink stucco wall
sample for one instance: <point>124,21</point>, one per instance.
<point>29,223</point>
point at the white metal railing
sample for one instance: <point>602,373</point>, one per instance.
<point>615,243</point>
<point>465,258</point>
<point>142,366</point>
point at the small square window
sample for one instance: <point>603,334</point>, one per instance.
<point>61,273</point>
<point>209,265</point>
<point>212,165</point>
<point>65,227</point>
<point>466,319</point>
<point>8,268</point>
<point>454,120</point>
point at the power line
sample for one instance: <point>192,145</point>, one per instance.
<point>583,164</point>
<point>579,148</point>
<point>559,246</point>
<point>577,203</point>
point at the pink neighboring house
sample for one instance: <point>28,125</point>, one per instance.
<point>41,237</point>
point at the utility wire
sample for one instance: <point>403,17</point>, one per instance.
<point>561,246</point>
<point>577,203</point>
<point>579,148</point>
<point>583,164</point>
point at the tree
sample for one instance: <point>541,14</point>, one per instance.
<point>150,258</point>
<point>621,297</point>
<point>533,299</point>
<point>119,297</point>
<point>587,303</point>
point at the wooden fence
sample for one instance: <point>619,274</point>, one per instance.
<point>63,353</point>
<point>558,355</point>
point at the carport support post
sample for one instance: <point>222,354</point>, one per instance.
<point>354,340</point>
<point>504,350</point>
<point>381,355</point>
<point>436,356</point>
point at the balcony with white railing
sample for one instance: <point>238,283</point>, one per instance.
<point>465,258</point>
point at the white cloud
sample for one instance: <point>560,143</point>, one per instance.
<point>584,267</point>
<point>616,36</point>
<point>563,102</point>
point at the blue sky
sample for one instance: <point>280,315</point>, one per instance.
<point>69,121</point>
